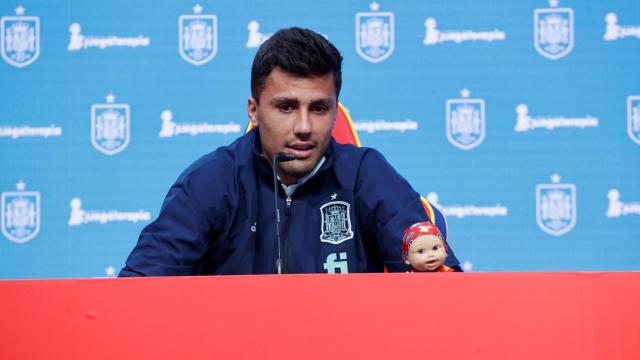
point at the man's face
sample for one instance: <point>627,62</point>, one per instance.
<point>426,253</point>
<point>295,115</point>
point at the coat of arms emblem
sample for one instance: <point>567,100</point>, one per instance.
<point>374,34</point>
<point>20,214</point>
<point>20,38</point>
<point>336,222</point>
<point>198,37</point>
<point>553,31</point>
<point>556,206</point>
<point>110,126</point>
<point>633,118</point>
<point>465,121</point>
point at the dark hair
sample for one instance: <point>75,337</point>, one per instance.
<point>297,51</point>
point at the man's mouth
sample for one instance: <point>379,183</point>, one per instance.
<point>300,150</point>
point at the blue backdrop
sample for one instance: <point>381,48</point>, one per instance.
<point>520,120</point>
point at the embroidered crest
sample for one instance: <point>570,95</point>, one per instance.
<point>336,222</point>
<point>20,38</point>
<point>633,118</point>
<point>465,121</point>
<point>20,214</point>
<point>556,206</point>
<point>110,126</point>
<point>553,31</point>
<point>374,34</point>
<point>198,37</point>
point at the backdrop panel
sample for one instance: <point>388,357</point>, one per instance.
<point>520,120</point>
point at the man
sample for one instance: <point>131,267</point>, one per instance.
<point>342,209</point>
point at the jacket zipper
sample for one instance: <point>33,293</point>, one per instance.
<point>285,236</point>
<point>288,208</point>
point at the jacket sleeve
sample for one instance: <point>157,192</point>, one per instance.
<point>392,205</point>
<point>190,217</point>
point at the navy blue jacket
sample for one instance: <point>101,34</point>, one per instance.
<point>219,217</point>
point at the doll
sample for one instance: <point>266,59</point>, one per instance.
<point>424,248</point>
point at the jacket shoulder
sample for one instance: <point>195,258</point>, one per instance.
<point>363,162</point>
<point>220,161</point>
<point>352,155</point>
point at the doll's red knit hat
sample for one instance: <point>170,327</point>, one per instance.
<point>416,230</point>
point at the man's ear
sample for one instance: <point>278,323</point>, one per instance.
<point>252,111</point>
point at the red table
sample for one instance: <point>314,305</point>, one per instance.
<point>437,315</point>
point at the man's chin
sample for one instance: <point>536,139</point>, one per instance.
<point>297,168</point>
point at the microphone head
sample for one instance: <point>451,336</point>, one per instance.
<point>283,157</point>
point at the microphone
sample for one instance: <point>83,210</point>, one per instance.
<point>284,157</point>
<point>279,157</point>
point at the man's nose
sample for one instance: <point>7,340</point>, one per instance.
<point>302,125</point>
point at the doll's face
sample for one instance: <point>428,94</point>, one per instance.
<point>426,253</point>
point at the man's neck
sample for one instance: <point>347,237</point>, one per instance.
<point>290,187</point>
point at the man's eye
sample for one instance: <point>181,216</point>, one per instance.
<point>319,109</point>
<point>420,251</point>
<point>436,247</point>
<point>285,108</point>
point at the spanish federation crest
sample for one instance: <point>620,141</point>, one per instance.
<point>556,206</point>
<point>198,37</point>
<point>553,31</point>
<point>465,121</point>
<point>110,126</point>
<point>633,118</point>
<point>20,214</point>
<point>336,222</point>
<point>374,34</point>
<point>20,38</point>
